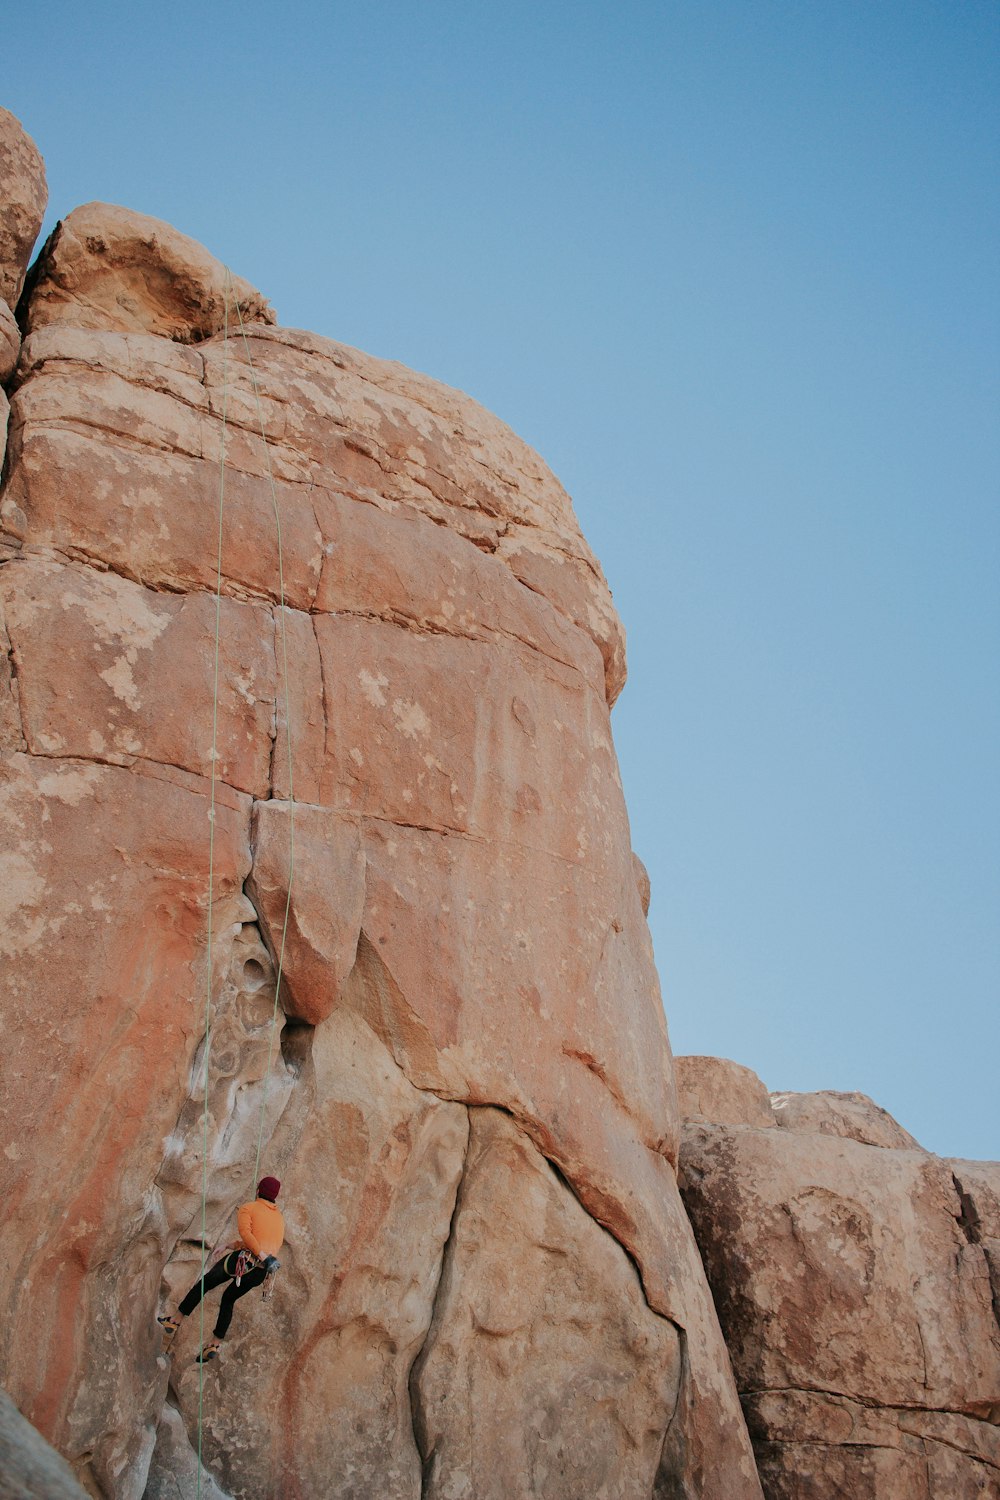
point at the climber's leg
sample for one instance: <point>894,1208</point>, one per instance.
<point>220,1272</point>
<point>231,1296</point>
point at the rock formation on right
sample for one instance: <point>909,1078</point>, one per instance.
<point>857,1280</point>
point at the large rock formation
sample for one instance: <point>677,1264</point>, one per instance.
<point>852,1274</point>
<point>489,1285</point>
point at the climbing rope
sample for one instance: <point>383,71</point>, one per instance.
<point>205,1256</point>
<point>288,735</point>
<point>211,871</point>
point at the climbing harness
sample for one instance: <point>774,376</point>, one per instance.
<point>246,1261</point>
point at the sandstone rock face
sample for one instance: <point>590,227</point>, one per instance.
<point>22,204</point>
<point>413,758</point>
<point>546,1373</point>
<point>853,1285</point>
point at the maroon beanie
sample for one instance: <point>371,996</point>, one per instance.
<point>269,1188</point>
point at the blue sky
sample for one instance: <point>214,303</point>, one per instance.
<point>732,269</point>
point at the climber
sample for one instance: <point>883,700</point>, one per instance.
<point>247,1264</point>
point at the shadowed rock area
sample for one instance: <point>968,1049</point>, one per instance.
<point>29,1468</point>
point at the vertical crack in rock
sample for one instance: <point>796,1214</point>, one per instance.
<point>241,1059</point>
<point>418,1415</point>
<point>968,1219</point>
<point>173,1472</point>
<point>543,1369</point>
<point>323,690</point>
<point>669,1483</point>
<point>273,728</point>
<point>13,711</point>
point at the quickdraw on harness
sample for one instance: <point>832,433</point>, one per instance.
<point>247,1261</point>
<point>272,1271</point>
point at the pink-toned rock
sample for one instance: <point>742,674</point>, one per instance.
<point>23,196</point>
<point>715,1091</point>
<point>106,267</point>
<point>545,1372</point>
<point>96,659</point>
<point>853,1117</point>
<point>854,1293</point>
<point>384,435</point>
<point>103,891</point>
<point>324,926</point>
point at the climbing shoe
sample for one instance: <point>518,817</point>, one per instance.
<point>170,1325</point>
<point>210,1351</point>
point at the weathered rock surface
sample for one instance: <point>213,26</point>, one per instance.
<point>545,1372</point>
<point>721,1092</point>
<point>23,197</point>
<point>30,1469</point>
<point>853,1285</point>
<point>109,268</point>
<point>414,759</point>
<point>853,1117</point>
<point>315,1389</point>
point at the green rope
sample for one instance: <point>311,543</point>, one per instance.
<point>211,815</point>
<point>211,875</point>
<point>288,739</point>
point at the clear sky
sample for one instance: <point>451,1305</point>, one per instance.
<point>732,267</point>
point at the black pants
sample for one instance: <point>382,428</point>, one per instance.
<point>224,1270</point>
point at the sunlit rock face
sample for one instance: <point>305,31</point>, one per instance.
<point>489,1284</point>
<point>852,1274</point>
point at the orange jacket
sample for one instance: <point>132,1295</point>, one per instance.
<point>262,1229</point>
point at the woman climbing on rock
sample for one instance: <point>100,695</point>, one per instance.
<point>246,1265</point>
